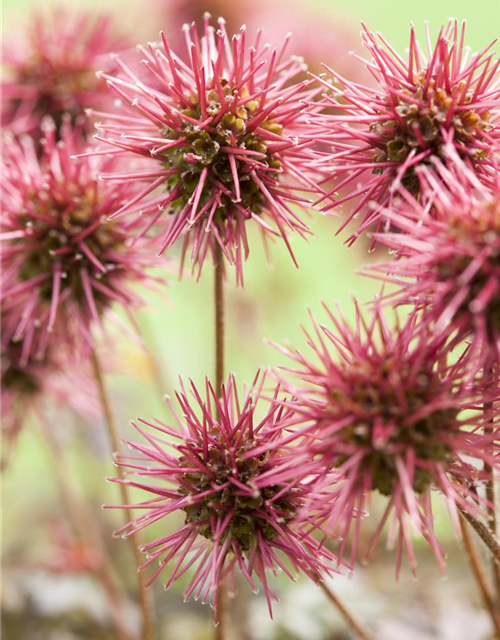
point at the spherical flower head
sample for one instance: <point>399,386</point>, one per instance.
<point>384,408</point>
<point>225,132</point>
<point>28,384</point>
<point>22,382</point>
<point>228,474</point>
<point>63,264</point>
<point>52,70</point>
<point>448,257</point>
<point>380,136</point>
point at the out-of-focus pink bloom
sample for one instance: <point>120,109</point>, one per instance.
<point>382,407</point>
<point>62,264</point>
<point>176,13</point>
<point>333,36</point>
<point>51,71</point>
<point>319,36</point>
<point>68,554</point>
<point>29,384</point>
<point>449,256</point>
<point>380,136</point>
<point>224,130</point>
<point>227,467</point>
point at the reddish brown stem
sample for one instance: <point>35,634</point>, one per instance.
<point>219,318</point>
<point>222,596</point>
<point>113,433</point>
<point>486,536</point>
<point>480,577</point>
<point>81,517</point>
<point>354,624</point>
<point>490,488</point>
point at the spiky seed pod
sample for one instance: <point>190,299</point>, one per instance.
<point>382,407</point>
<point>235,481</point>
<point>51,71</point>
<point>448,257</point>
<point>63,264</point>
<point>380,136</point>
<point>225,131</point>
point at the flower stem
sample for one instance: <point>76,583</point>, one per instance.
<point>490,487</point>
<point>222,596</point>
<point>143,595</point>
<point>80,516</point>
<point>479,575</point>
<point>486,536</point>
<point>347,615</point>
<point>219,318</point>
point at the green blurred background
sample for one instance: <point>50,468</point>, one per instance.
<point>178,330</point>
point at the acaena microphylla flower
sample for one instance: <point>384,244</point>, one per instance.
<point>33,384</point>
<point>379,136</point>
<point>225,467</point>
<point>448,257</point>
<point>63,264</point>
<point>384,408</point>
<point>225,131</point>
<point>51,71</point>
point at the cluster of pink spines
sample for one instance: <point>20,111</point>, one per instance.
<point>448,258</point>
<point>225,132</point>
<point>54,72</point>
<point>382,407</point>
<point>228,472</point>
<point>63,265</point>
<point>26,382</point>
<point>21,383</point>
<point>380,136</point>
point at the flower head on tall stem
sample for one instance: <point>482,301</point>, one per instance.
<point>448,256</point>
<point>382,407</point>
<point>229,474</point>
<point>225,133</point>
<point>63,265</point>
<point>51,72</point>
<point>380,136</point>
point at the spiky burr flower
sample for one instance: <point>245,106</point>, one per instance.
<point>227,469</point>
<point>379,136</point>
<point>224,130</point>
<point>51,71</point>
<point>62,264</point>
<point>30,384</point>
<point>382,407</point>
<point>448,256</point>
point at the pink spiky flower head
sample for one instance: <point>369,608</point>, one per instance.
<point>224,130</point>
<point>448,256</point>
<point>30,384</point>
<point>228,472</point>
<point>63,265</point>
<point>51,72</point>
<point>380,136</point>
<point>382,407</point>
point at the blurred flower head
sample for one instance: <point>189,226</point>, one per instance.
<point>51,71</point>
<point>334,35</point>
<point>448,257</point>
<point>383,407</point>
<point>225,131</point>
<point>63,265</point>
<point>227,470</point>
<point>31,384</point>
<point>380,136</point>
